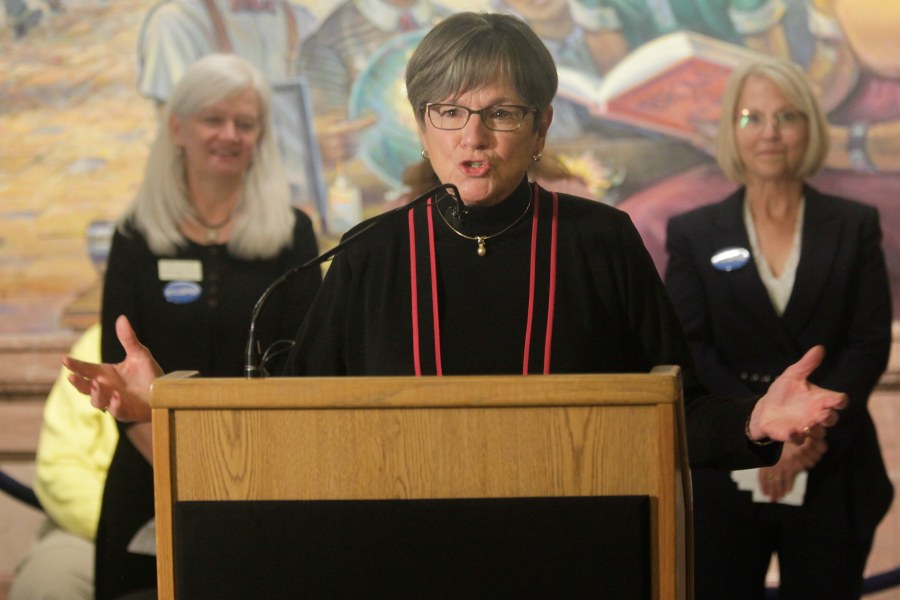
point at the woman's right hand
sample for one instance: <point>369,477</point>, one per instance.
<point>123,388</point>
<point>778,480</point>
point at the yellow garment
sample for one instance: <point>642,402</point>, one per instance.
<point>75,448</point>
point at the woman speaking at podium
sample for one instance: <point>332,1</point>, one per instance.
<point>501,276</point>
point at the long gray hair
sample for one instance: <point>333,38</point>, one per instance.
<point>264,219</point>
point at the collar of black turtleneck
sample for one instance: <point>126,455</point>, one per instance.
<point>487,220</point>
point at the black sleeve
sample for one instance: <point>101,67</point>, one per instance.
<point>715,425</point>
<point>120,294</point>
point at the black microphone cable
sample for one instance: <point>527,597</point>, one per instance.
<point>253,367</point>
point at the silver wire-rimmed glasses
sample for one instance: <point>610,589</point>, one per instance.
<point>783,120</point>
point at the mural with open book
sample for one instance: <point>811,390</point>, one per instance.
<point>634,118</point>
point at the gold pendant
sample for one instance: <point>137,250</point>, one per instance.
<point>482,249</point>
<point>212,235</point>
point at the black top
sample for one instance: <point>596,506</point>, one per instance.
<point>840,299</point>
<point>591,273</point>
<point>192,310</point>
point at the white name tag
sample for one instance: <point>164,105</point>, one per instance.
<point>179,270</point>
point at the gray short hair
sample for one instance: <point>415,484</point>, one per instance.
<point>468,50</point>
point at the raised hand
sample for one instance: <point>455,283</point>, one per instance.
<point>792,407</point>
<point>123,388</point>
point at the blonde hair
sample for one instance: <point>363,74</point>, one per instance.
<point>791,82</point>
<point>264,220</point>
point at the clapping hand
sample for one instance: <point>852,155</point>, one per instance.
<point>778,480</point>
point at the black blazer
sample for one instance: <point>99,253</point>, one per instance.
<point>840,299</point>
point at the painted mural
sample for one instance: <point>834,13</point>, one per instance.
<point>82,82</point>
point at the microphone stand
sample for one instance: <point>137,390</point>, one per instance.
<point>252,368</point>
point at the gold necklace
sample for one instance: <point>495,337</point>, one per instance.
<point>482,239</point>
<point>212,230</point>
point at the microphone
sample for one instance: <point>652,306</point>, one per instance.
<point>252,367</point>
<point>458,212</point>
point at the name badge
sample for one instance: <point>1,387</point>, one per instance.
<point>171,269</point>
<point>730,259</point>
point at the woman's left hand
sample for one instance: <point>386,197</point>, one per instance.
<point>793,407</point>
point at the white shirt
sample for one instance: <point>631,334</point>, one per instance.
<point>779,288</point>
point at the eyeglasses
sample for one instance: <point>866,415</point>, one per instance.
<point>784,120</point>
<point>503,117</point>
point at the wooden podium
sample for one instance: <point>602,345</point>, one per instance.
<point>407,468</point>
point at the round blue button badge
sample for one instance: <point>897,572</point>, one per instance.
<point>182,292</point>
<point>730,259</point>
